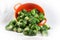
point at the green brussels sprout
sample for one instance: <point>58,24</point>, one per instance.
<point>41,16</point>
<point>18,18</point>
<point>19,23</point>
<point>22,16</point>
<point>16,25</point>
<point>24,23</point>
<point>37,11</point>
<point>33,12</point>
<point>10,27</point>
<point>21,13</point>
<point>12,22</point>
<point>44,32</point>
<point>37,20</point>
<point>19,30</point>
<point>29,25</point>
<point>29,32</point>
<point>36,15</point>
<point>46,27</point>
<point>14,29</point>
<point>32,20</point>
<point>26,18</point>
<point>21,20</point>
<point>24,11</point>
<point>26,31</point>
<point>32,32</point>
<point>35,27</point>
<point>29,15</point>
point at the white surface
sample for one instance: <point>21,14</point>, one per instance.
<point>52,11</point>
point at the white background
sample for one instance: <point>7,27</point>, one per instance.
<point>52,11</point>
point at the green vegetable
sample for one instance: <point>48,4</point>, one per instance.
<point>29,32</point>
<point>14,29</point>
<point>19,30</point>
<point>26,31</point>
<point>27,23</point>
<point>41,16</point>
<point>33,12</point>
<point>32,32</point>
<point>46,27</point>
<point>10,27</point>
<point>26,18</point>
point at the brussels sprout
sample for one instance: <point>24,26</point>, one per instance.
<point>36,15</point>
<point>32,20</point>
<point>22,16</point>
<point>46,27</point>
<point>35,27</point>
<point>23,24</point>
<point>44,32</point>
<point>21,13</point>
<point>19,23</point>
<point>12,22</point>
<point>37,20</point>
<point>26,31</point>
<point>21,20</point>
<point>26,18</point>
<point>24,11</point>
<point>14,29</point>
<point>16,25</point>
<point>32,32</point>
<point>29,15</point>
<point>19,30</point>
<point>37,11</point>
<point>10,27</point>
<point>29,32</point>
<point>41,16</point>
<point>29,25</point>
<point>18,18</point>
<point>27,28</point>
<point>33,12</point>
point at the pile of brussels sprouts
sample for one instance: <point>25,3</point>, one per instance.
<point>27,23</point>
